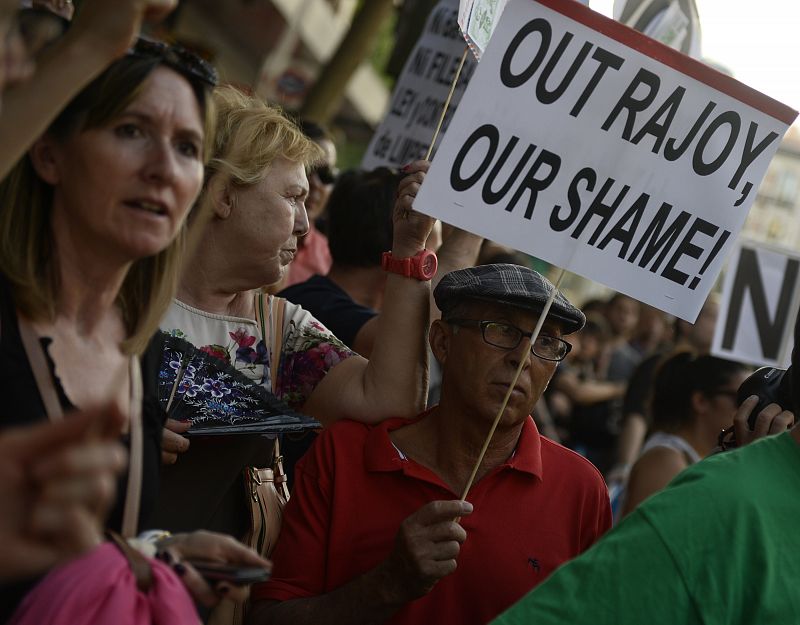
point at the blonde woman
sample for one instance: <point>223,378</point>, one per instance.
<point>255,193</point>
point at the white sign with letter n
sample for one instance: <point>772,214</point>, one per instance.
<point>759,306</point>
<point>602,151</point>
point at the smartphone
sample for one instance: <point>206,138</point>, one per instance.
<point>241,576</point>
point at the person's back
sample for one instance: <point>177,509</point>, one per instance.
<point>717,546</point>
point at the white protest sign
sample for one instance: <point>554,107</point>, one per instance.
<point>421,90</point>
<point>759,306</point>
<point>599,150</point>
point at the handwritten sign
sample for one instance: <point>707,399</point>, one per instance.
<point>421,90</point>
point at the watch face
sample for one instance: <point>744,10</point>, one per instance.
<point>428,265</point>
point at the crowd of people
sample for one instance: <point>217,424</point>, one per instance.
<point>141,202</point>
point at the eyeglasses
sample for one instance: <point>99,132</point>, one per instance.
<point>325,173</point>
<point>178,58</point>
<point>507,336</point>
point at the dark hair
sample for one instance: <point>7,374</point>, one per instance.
<point>360,216</point>
<point>314,131</point>
<point>681,375</point>
<point>596,326</point>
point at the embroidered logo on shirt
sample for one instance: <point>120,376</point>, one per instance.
<point>534,563</point>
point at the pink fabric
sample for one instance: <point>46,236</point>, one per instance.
<point>314,257</point>
<point>99,588</point>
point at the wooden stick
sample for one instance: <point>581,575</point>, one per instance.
<point>446,104</point>
<point>534,336</point>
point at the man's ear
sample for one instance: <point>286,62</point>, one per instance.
<point>222,197</point>
<point>44,155</point>
<point>439,337</point>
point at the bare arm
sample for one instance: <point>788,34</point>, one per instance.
<point>101,32</point>
<point>588,391</point>
<point>426,547</point>
<point>459,250</point>
<point>394,381</point>
<point>651,473</point>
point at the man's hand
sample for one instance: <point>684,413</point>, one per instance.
<point>172,443</point>
<point>426,548</point>
<point>771,420</point>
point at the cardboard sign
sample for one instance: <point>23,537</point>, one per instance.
<point>597,149</point>
<point>759,306</point>
<point>421,90</point>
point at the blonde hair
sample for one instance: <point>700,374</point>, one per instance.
<point>26,238</point>
<point>251,134</point>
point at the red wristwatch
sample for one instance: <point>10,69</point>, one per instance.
<point>421,266</point>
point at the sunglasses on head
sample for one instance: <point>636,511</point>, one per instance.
<point>178,58</point>
<point>325,173</point>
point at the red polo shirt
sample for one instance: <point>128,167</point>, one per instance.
<point>353,489</point>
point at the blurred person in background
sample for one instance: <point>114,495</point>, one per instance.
<point>580,395</point>
<point>693,399</point>
<point>696,337</point>
<point>347,300</point>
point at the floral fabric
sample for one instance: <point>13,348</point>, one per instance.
<point>309,350</point>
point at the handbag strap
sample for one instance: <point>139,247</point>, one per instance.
<point>47,390</point>
<point>140,566</point>
<point>277,308</point>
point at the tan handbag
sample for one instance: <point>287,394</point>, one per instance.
<point>266,489</point>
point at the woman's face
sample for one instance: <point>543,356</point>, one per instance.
<point>267,218</point>
<point>319,192</point>
<point>722,404</point>
<point>124,189</point>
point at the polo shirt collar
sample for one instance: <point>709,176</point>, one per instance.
<point>380,454</point>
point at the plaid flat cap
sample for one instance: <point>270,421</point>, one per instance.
<point>507,284</point>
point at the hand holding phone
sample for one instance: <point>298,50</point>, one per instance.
<point>214,572</point>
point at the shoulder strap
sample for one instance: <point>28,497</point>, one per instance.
<point>52,405</point>
<point>277,307</point>
<point>41,372</point>
<point>133,495</point>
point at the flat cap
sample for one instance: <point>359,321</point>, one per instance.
<point>514,285</point>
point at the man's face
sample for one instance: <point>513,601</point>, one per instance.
<point>477,375</point>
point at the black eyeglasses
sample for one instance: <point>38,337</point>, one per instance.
<point>507,336</point>
<point>325,173</point>
<point>178,58</point>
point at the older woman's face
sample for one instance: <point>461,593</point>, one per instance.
<point>267,218</point>
<point>124,189</point>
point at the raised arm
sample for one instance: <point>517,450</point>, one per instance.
<point>101,32</point>
<point>394,381</point>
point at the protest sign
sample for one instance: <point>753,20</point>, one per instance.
<point>421,90</point>
<point>599,150</point>
<point>758,306</point>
